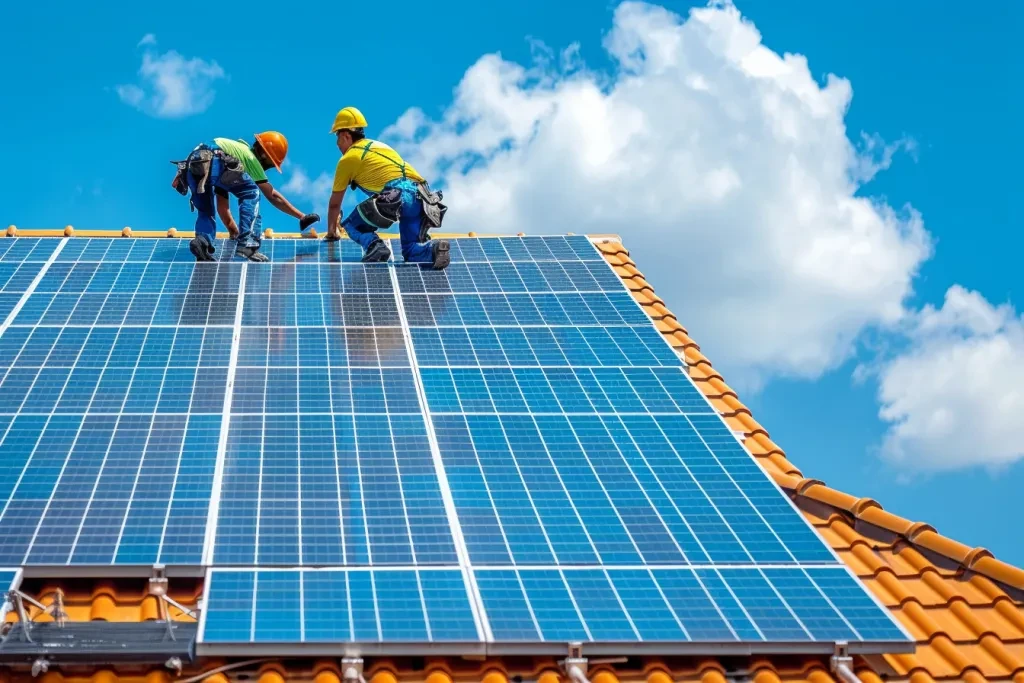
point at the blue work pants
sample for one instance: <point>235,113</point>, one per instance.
<point>409,223</point>
<point>250,222</point>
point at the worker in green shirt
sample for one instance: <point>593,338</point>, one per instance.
<point>235,167</point>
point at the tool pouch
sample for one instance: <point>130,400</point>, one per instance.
<point>380,211</point>
<point>180,182</point>
<point>231,172</point>
<point>199,162</point>
<point>433,209</point>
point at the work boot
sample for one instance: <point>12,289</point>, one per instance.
<point>442,254</point>
<point>251,253</point>
<point>377,252</point>
<point>201,248</point>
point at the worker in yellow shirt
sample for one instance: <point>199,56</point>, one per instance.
<point>397,193</point>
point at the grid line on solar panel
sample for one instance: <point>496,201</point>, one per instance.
<point>213,510</point>
<point>396,604</point>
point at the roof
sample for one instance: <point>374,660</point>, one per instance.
<point>964,607</point>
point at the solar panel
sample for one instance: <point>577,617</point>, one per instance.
<point>328,606</point>
<point>511,439</point>
<point>113,371</point>
<point>327,460</point>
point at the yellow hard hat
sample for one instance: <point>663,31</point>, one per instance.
<point>349,117</point>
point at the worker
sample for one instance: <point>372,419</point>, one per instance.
<point>239,168</point>
<point>397,193</point>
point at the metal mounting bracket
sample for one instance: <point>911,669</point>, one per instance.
<point>158,581</point>
<point>40,666</point>
<point>352,670</point>
<point>575,664</point>
<point>841,663</point>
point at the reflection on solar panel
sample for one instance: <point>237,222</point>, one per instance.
<point>503,455</point>
<point>327,459</point>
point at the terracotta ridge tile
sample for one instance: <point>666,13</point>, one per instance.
<point>830,496</point>
<point>785,480</point>
<point>1000,571</point>
<point>681,335</point>
<point>720,387</point>
<point>806,483</point>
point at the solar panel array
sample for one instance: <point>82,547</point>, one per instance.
<point>503,454</point>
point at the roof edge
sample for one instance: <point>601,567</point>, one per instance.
<point>770,455</point>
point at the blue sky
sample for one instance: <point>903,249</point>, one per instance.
<point>934,73</point>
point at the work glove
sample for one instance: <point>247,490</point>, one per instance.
<point>308,220</point>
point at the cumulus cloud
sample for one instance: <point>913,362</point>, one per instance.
<point>725,167</point>
<point>170,85</point>
<point>316,190</point>
<point>955,397</point>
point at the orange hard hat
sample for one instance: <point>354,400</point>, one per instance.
<point>275,145</point>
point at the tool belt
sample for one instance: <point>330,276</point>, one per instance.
<point>381,210</point>
<point>199,163</point>
<point>433,210</point>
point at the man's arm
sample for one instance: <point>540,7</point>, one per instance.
<point>278,200</point>
<point>334,214</point>
<point>224,211</point>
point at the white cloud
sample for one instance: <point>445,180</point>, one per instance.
<point>171,86</point>
<point>955,398</point>
<point>317,191</point>
<point>725,167</point>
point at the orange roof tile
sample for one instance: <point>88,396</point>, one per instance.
<point>964,607</point>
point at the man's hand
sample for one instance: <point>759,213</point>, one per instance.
<point>334,215</point>
<point>308,220</point>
